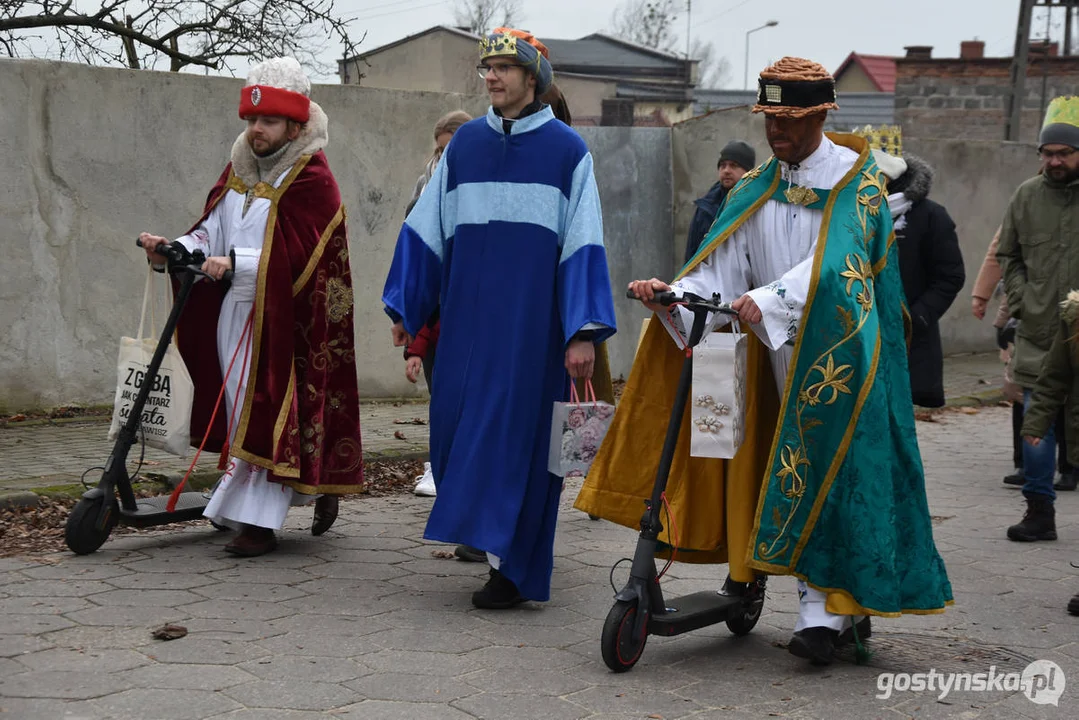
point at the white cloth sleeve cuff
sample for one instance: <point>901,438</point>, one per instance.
<point>779,322</point>
<point>245,273</point>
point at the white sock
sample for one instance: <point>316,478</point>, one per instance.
<point>812,611</point>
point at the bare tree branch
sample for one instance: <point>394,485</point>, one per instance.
<point>204,33</point>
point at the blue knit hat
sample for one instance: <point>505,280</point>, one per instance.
<point>523,47</point>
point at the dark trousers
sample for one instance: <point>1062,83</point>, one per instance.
<point>428,361</point>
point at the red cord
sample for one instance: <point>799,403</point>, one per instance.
<point>222,460</point>
<point>175,496</point>
<point>673,534</point>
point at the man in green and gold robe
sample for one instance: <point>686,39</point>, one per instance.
<point>828,484</point>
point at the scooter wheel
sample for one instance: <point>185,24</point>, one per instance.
<point>81,532</point>
<point>750,613</point>
<point>620,652</point>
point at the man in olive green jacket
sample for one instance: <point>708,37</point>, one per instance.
<point>1039,252</point>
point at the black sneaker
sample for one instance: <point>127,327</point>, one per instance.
<point>864,628</point>
<point>1066,481</point>
<point>1016,479</point>
<point>498,594</point>
<point>815,644</point>
<point>470,554</point>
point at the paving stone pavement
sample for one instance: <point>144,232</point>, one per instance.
<point>36,456</point>
<point>368,622</point>
<point>44,455</point>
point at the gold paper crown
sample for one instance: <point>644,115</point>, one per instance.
<point>504,45</point>
<point>1063,110</point>
<point>888,138</point>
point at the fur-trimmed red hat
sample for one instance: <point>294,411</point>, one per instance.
<point>277,86</point>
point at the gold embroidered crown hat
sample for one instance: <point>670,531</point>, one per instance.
<point>794,88</point>
<point>523,47</point>
<point>1061,126</point>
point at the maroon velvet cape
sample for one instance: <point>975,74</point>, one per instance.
<point>300,417</point>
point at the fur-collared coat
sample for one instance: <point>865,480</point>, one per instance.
<point>931,267</point>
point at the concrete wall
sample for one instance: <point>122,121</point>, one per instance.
<point>93,156</point>
<point>974,181</point>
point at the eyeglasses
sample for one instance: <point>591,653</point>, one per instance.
<point>499,70</point>
<point>1050,155</point>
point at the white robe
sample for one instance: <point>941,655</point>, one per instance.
<point>244,496</point>
<point>770,258</point>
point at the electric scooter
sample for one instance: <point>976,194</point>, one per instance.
<point>100,510</point>
<point>640,609</point>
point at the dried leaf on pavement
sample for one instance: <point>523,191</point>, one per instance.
<point>399,435</point>
<point>170,632</point>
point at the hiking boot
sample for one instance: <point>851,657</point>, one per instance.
<point>815,644</point>
<point>1016,478</point>
<point>1066,481</point>
<point>498,594</point>
<point>1039,522</point>
<point>469,554</point>
<point>1073,605</point>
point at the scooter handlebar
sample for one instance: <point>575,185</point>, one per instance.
<point>693,302</point>
<point>178,255</point>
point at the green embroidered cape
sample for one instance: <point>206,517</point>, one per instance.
<point>843,505</point>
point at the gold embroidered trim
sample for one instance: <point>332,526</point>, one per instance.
<point>316,256</point>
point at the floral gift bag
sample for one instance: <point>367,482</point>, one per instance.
<point>718,395</point>
<point>577,431</point>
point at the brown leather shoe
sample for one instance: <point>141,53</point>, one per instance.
<point>325,513</point>
<point>253,541</point>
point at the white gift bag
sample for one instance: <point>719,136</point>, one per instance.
<point>718,395</point>
<point>166,417</point>
<point>577,431</point>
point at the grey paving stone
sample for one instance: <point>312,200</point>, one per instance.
<point>315,668</point>
<point>308,644</point>
<point>293,695</point>
<point>530,658</point>
<point>626,699</point>
<point>27,624</point>
<point>237,610</point>
<point>527,681</point>
<point>324,624</point>
<point>204,652</point>
<point>58,588</point>
<point>183,565</point>
<point>46,709</point>
<point>160,581</point>
<point>365,596</point>
<point>492,706</point>
<point>28,605</point>
<point>268,714</point>
<point>412,688</point>
<point>148,617</point>
<point>84,660</point>
<point>273,576</point>
<point>427,641</point>
<point>231,630</point>
<point>425,663</point>
<point>62,685</point>
<point>15,645</point>
<point>388,710</point>
<point>75,568</point>
<point>180,676</point>
<point>353,570</point>
<point>144,598</point>
<point>264,592</point>
<point>165,704</point>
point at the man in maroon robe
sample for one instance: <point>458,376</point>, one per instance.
<point>289,429</point>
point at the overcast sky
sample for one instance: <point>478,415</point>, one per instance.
<point>824,30</point>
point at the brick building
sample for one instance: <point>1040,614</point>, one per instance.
<point>967,97</point>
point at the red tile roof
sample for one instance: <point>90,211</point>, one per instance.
<point>879,68</point>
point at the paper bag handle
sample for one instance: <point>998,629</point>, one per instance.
<point>588,390</point>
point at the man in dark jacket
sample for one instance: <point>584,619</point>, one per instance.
<point>930,265</point>
<point>735,160</point>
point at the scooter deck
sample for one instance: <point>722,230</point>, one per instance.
<point>692,612</point>
<point>151,511</point>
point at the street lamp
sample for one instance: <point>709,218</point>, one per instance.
<point>770,23</point>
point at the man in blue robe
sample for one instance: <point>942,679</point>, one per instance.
<point>508,241</point>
